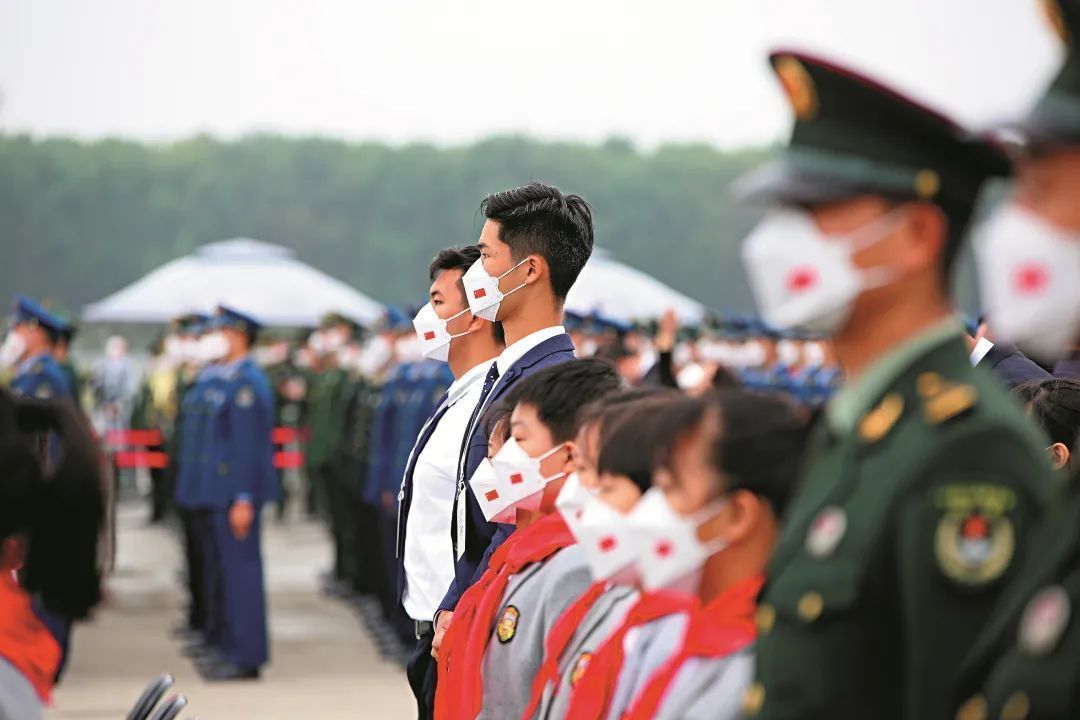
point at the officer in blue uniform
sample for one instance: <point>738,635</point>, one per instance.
<point>35,331</point>
<point>237,478</point>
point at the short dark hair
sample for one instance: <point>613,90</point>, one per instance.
<point>760,444</point>
<point>598,410</point>
<point>461,258</point>
<point>628,438</point>
<point>559,392</point>
<point>539,218</point>
<point>1054,405</point>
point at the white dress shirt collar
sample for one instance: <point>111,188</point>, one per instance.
<point>518,350</point>
<point>461,386</point>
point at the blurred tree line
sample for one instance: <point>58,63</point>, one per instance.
<point>81,220</point>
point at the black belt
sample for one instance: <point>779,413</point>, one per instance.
<point>422,628</point>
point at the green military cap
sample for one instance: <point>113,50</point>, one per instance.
<point>854,136</point>
<point>1055,119</point>
<point>334,319</point>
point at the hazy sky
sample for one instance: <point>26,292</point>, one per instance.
<point>455,71</point>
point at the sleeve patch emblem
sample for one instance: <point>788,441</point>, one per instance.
<point>975,541</point>
<point>507,627</point>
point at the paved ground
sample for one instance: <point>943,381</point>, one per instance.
<point>323,664</point>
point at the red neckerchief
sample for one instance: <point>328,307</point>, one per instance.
<point>721,628</point>
<point>592,694</point>
<point>25,641</point>
<point>463,677</point>
<point>556,643</point>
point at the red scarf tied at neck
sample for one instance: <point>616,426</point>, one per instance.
<point>459,693</point>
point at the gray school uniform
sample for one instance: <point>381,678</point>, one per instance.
<point>647,648</point>
<point>709,688</point>
<point>602,619</point>
<point>534,600</point>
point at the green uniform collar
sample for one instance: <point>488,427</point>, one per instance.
<point>857,397</point>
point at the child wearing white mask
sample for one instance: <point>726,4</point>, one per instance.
<point>496,635</point>
<point>595,503</point>
<point>719,494</point>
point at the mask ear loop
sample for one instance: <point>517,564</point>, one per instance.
<point>869,235</point>
<point>446,322</point>
<point>509,292</point>
<point>545,456</point>
<point>704,515</point>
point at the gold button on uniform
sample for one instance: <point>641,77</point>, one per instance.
<point>765,617</point>
<point>1016,707</point>
<point>973,709</point>
<point>753,699</point>
<point>810,606</point>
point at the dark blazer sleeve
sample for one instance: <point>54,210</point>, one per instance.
<point>1011,365</point>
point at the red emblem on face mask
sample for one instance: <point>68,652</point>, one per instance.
<point>664,548</point>
<point>429,335</point>
<point>479,293</point>
<point>492,495</point>
<point>802,279</point>
<point>608,543</point>
<point>516,479</point>
<point>1031,278</point>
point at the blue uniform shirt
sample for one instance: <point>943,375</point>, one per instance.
<point>238,447</point>
<point>41,377</point>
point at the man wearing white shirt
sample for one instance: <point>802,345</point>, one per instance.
<point>425,554</point>
<point>534,243</point>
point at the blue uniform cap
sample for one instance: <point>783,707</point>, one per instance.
<point>228,317</point>
<point>28,312</point>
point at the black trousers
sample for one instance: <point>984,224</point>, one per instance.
<point>193,557</point>
<point>422,671</point>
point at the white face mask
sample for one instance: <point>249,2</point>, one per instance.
<point>670,555</point>
<point>173,348</point>
<point>482,290</point>
<point>754,353</point>
<point>432,333</point>
<point>787,352</point>
<point>492,496</point>
<point>802,278</point>
<point>213,346</point>
<point>572,500</point>
<point>13,349</point>
<point>813,354</point>
<point>1029,272</point>
<point>609,542</point>
<point>521,474</point>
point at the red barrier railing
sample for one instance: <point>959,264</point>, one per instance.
<point>141,458</point>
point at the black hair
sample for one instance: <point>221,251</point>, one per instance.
<point>539,218</point>
<point>462,258</point>
<point>760,444</point>
<point>559,392</point>
<point>61,511</point>
<point>628,440</point>
<point>1054,404</point>
<point>497,420</point>
<point>597,410</point>
<point>725,377</point>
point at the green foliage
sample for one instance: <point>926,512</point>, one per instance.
<point>81,220</point>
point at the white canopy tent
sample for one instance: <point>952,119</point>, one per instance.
<point>615,290</point>
<point>264,280</point>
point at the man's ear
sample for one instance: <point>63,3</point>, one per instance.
<point>926,235</point>
<point>476,324</point>
<point>1059,455</point>
<point>537,268</point>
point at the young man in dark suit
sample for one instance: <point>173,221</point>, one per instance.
<point>533,245</point>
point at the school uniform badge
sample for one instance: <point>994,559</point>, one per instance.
<point>975,540</point>
<point>1044,621</point>
<point>580,667</point>
<point>507,626</point>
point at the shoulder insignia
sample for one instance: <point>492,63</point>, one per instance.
<point>943,400</point>
<point>580,667</point>
<point>975,540</point>
<point>826,532</point>
<point>1043,621</point>
<point>245,396</point>
<point>43,391</point>
<point>507,627</point>
<point>877,423</point>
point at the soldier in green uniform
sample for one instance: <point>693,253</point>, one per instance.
<point>1026,663</point>
<point>923,479</point>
